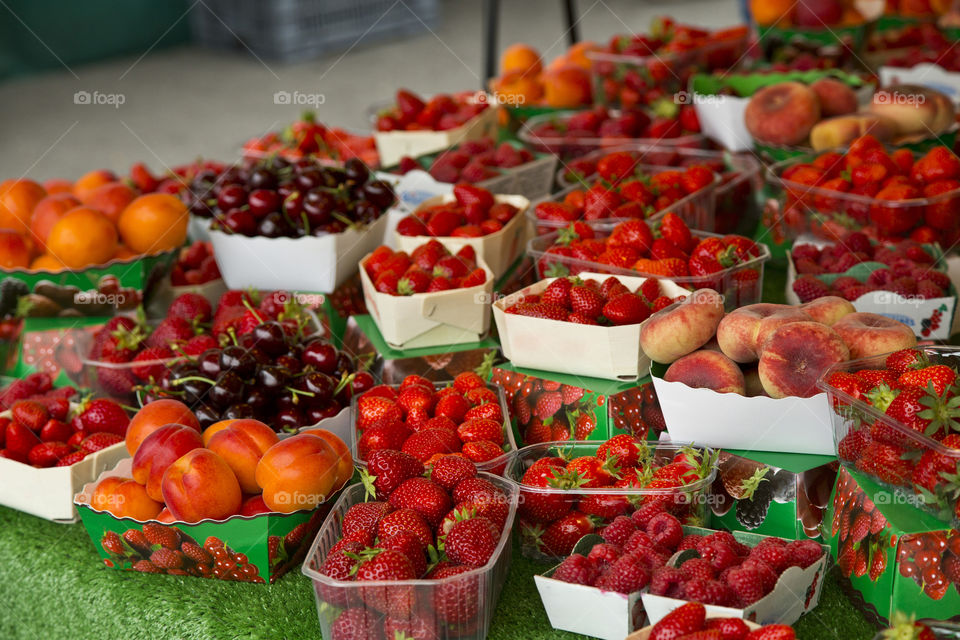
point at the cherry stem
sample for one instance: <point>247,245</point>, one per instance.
<point>180,381</point>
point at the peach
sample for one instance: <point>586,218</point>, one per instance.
<point>782,114</point>
<point>915,110</point>
<point>340,449</point>
<point>158,451</point>
<point>241,445</point>
<point>153,416</point>
<point>253,506</point>
<point>840,131</point>
<point>836,97</point>
<point>124,498</point>
<point>707,370</point>
<point>795,356</point>
<point>200,485</point>
<point>870,334</point>
<point>683,327</point>
<point>828,309</point>
<point>743,331</point>
<point>298,473</point>
<point>752,384</point>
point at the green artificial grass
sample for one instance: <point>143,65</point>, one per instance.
<point>56,586</point>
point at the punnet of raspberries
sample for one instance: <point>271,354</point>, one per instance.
<point>569,491</point>
<point>915,445</point>
<point>910,270</point>
<point>470,161</point>
<point>430,268</point>
<point>590,301</point>
<point>691,621</point>
<point>625,188</point>
<point>43,429</point>
<point>473,213</point>
<point>636,555</point>
<point>464,418</point>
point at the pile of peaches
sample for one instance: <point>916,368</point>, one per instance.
<point>764,349</point>
<point>92,221</point>
<point>233,467</point>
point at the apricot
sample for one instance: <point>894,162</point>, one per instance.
<point>46,214</point>
<point>254,506</point>
<point>155,415</point>
<point>88,182</point>
<point>124,498</point>
<point>521,57</point>
<point>200,485</point>
<point>567,86</point>
<point>14,250</point>
<point>82,237</point>
<point>214,428</point>
<point>241,445</point>
<point>17,200</point>
<point>111,199</point>
<point>58,185</point>
<point>158,451</point>
<point>345,460</point>
<point>298,473</point>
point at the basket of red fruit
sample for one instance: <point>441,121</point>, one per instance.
<point>431,420</point>
<point>570,489</point>
<point>307,138</point>
<point>297,225</point>
<point>429,297</point>
<point>413,126</point>
<point>625,189</point>
<point>740,177</point>
<point>471,216</point>
<point>587,325</point>
<point>53,446</point>
<point>636,68</point>
<point>730,264</point>
<point>886,194</point>
<point>895,419</point>
<point>569,134</point>
<point>907,281</point>
<point>369,562</point>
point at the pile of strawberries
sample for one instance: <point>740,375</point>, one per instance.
<point>442,112</point>
<point>910,270</point>
<point>428,269</point>
<point>473,213</point>
<point>584,131</point>
<point>557,507</point>
<point>428,423</point>
<point>916,391</point>
<point>690,622</point>
<point>585,168</point>
<point>868,171</point>
<point>672,252</point>
<point>636,555</point>
<point>470,161</point>
<point>308,138</point>
<point>43,430</point>
<point>418,528</point>
<point>589,301</point>
<point>623,189</point>
<point>195,265</point>
<point>860,529</point>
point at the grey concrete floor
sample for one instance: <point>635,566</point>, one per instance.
<point>187,102</point>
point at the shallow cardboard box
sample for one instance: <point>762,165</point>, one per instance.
<point>499,250</point>
<point>430,319</point>
<point>393,145</point>
<point>644,634</point>
<point>311,263</point>
<point>791,425</point>
<point>574,349</point>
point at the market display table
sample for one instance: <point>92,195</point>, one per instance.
<point>56,586</point>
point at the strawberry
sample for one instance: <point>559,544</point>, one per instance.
<point>548,404</point>
<point>423,496</point>
<point>364,517</point>
<point>355,624</point>
<point>473,489</point>
<point>191,307</point>
<point>634,234</point>
<point>152,370</point>
<point>685,619</point>
<point>405,520</point>
<point>471,542</point>
<point>939,375</point>
<point>47,454</point>
<point>482,450</point>
<point>171,331</point>
<point>467,194</point>
<point>71,458</point>
<point>539,310</point>
<point>373,408</point>
<point>103,415</point>
<point>626,309</point>
<point>99,440</point>
<point>30,414</point>
<point>480,429</point>
<point>19,441</point>
<point>387,469</point>
<point>386,565</point>
<point>454,601</point>
<point>729,628</point>
<point>676,231</point>
<point>561,535</point>
<point>906,359</point>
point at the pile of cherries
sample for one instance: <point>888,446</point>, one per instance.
<point>278,198</point>
<point>280,377</point>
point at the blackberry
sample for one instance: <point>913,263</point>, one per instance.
<point>752,511</point>
<point>11,290</point>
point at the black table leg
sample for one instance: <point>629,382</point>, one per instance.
<point>573,28</point>
<point>491,20</point>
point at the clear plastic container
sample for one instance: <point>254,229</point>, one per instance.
<point>856,420</point>
<point>795,208</point>
<point>495,466</point>
<point>689,503</point>
<point>941,630</point>
<point>666,69</point>
<point>468,599</point>
<point>567,148</point>
<point>736,195</point>
<point>696,209</point>
<point>736,283</point>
